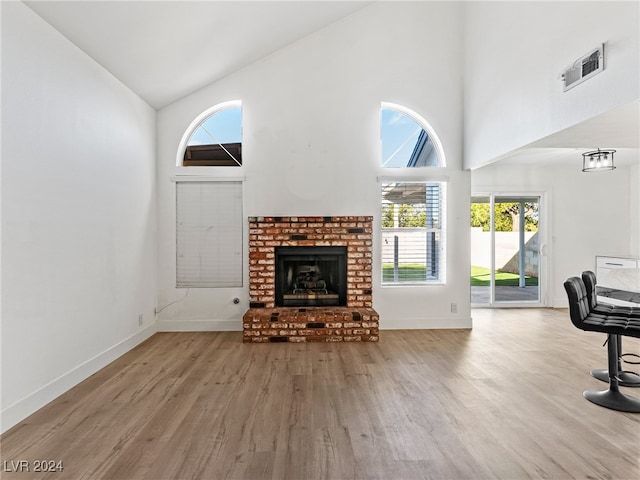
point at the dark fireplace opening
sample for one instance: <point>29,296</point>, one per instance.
<point>311,276</point>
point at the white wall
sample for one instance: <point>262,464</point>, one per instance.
<point>78,215</point>
<point>582,215</point>
<point>311,147</point>
<point>514,54</point>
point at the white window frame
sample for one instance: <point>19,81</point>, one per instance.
<point>416,175</point>
<point>199,120</point>
<point>442,230</point>
<point>442,161</point>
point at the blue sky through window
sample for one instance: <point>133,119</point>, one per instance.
<point>399,135</point>
<point>222,127</point>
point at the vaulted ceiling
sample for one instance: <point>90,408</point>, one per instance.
<point>164,50</point>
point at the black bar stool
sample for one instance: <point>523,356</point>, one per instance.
<point>613,325</point>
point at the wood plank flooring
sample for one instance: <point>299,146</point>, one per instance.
<point>503,400</point>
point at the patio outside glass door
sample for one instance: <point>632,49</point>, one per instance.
<point>505,250</point>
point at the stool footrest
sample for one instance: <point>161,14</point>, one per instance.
<point>625,379</point>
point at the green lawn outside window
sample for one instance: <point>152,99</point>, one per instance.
<point>481,277</point>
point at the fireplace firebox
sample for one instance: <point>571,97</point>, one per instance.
<point>310,276</point>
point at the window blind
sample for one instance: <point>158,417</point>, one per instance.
<point>413,232</point>
<point>209,234</point>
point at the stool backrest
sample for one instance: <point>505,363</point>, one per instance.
<point>589,279</point>
<point>578,300</point>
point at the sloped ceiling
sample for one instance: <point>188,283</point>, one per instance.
<point>164,50</point>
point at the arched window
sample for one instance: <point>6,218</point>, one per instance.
<point>208,209</point>
<point>214,139</point>
<point>408,141</point>
<point>413,210</point>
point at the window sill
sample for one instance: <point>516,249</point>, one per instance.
<point>205,178</point>
<point>413,284</point>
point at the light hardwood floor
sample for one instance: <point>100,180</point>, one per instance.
<point>503,400</point>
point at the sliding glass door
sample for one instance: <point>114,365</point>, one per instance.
<point>505,250</point>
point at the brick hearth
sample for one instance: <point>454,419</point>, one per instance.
<point>311,324</point>
<point>264,322</point>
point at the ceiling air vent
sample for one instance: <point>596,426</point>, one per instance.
<point>584,68</point>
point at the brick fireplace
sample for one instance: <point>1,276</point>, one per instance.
<point>349,316</point>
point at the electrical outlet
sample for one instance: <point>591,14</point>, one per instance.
<point>140,319</point>
<point>454,308</point>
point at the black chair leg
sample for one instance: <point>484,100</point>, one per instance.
<point>625,379</point>
<point>612,397</point>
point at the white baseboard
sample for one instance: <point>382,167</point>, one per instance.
<point>426,323</point>
<point>199,325</point>
<point>21,409</point>
<point>236,325</point>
